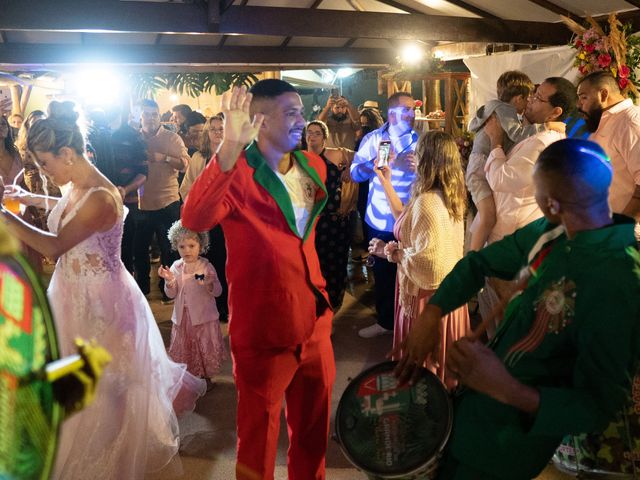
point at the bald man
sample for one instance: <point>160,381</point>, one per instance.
<point>615,125</point>
<point>267,198</point>
<point>562,360</point>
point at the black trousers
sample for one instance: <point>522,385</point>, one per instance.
<point>217,255</point>
<point>384,275</point>
<point>150,222</point>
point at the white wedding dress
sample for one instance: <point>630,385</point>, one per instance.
<point>130,429</point>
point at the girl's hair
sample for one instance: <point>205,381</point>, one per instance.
<point>8,141</point>
<point>59,129</point>
<point>322,125</point>
<point>178,232</point>
<point>440,167</point>
<point>205,141</point>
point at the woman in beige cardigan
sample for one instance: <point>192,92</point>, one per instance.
<point>430,233</point>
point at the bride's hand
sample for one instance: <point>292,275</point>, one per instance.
<point>18,193</point>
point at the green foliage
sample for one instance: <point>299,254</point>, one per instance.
<point>145,85</point>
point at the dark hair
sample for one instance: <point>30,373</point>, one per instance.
<point>581,170</point>
<point>271,88</point>
<point>600,79</point>
<point>9,144</point>
<point>513,83</point>
<point>183,109</point>
<point>374,118</point>
<point>194,118</point>
<point>323,126</point>
<point>394,100</point>
<point>59,129</point>
<point>565,96</point>
<point>147,102</point>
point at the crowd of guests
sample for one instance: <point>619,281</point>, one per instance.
<point>198,186</point>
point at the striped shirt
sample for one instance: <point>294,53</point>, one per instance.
<point>379,214</point>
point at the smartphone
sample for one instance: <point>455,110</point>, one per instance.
<point>335,92</point>
<point>383,153</point>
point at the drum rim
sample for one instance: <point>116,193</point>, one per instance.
<point>391,365</point>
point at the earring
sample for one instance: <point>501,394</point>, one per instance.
<point>553,210</point>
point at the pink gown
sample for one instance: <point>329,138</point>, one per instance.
<point>131,428</point>
<point>455,324</point>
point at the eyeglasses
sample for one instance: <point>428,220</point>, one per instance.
<point>536,98</point>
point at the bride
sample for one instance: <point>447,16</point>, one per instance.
<point>131,428</point>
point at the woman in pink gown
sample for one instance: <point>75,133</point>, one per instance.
<point>131,428</point>
<point>430,233</point>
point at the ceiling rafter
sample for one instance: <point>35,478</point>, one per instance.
<point>288,39</point>
<point>552,7</point>
<point>318,57</point>
<point>472,8</point>
<point>635,3</point>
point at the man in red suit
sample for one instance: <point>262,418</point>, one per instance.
<point>267,198</point>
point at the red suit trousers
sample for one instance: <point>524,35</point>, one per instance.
<point>303,376</point>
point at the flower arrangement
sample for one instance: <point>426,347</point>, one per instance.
<point>615,50</point>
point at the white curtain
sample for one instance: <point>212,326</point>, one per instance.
<point>538,64</point>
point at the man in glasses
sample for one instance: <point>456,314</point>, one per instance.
<point>510,176</point>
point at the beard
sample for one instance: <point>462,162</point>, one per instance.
<point>592,118</point>
<point>339,117</point>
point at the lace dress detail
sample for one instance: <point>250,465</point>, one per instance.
<point>131,428</point>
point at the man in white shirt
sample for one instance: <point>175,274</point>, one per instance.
<point>615,125</point>
<point>511,176</point>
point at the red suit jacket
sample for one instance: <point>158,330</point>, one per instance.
<point>276,288</point>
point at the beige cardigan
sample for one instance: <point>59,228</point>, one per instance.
<point>432,243</point>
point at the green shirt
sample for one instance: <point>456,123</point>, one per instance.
<point>573,334</point>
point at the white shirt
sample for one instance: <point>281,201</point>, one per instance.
<point>302,192</point>
<point>511,179</point>
<point>619,135</point>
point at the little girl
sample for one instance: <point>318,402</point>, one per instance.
<point>196,339</point>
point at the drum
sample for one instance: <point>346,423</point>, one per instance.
<point>29,413</point>
<point>390,431</point>
<point>614,453</point>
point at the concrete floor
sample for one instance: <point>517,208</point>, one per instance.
<point>208,438</point>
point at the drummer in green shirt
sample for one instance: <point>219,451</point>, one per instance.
<point>563,358</point>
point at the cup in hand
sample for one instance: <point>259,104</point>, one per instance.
<point>12,204</point>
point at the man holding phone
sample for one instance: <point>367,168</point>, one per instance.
<point>392,144</point>
<point>343,121</point>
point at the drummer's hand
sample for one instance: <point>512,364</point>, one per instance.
<point>423,340</point>
<point>479,368</point>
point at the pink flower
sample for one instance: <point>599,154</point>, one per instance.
<point>583,69</point>
<point>590,47</point>
<point>604,60</point>
<point>624,72</point>
<point>578,43</point>
<point>623,82</point>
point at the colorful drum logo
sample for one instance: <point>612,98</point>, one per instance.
<point>390,431</point>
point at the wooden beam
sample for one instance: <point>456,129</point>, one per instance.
<point>286,41</point>
<point>400,6</point>
<point>334,23</point>
<point>349,42</point>
<point>110,15</point>
<point>635,3</point>
<point>106,15</point>
<point>317,57</point>
<point>552,7</point>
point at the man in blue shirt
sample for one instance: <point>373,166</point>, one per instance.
<point>399,131</point>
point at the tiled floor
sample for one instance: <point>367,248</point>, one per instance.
<point>208,434</point>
